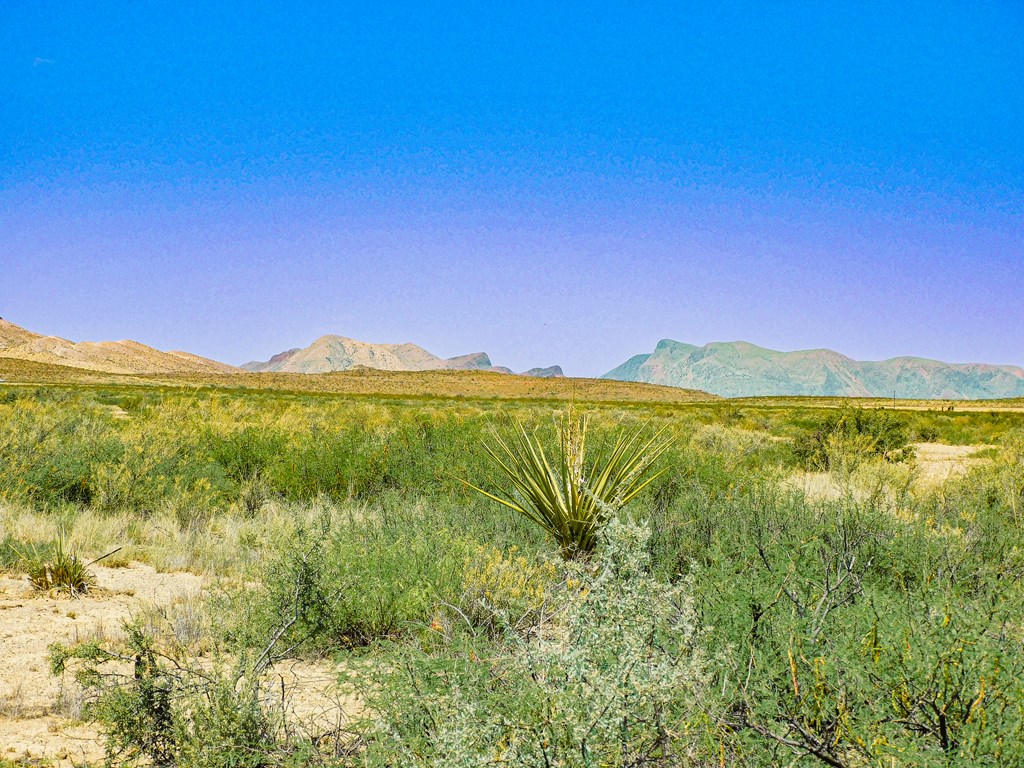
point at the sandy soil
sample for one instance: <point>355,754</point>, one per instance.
<point>934,465</point>
<point>30,724</point>
<point>937,462</point>
<point>34,721</point>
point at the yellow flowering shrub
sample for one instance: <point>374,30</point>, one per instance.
<point>506,589</point>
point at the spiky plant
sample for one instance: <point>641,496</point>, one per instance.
<point>62,571</point>
<point>567,495</point>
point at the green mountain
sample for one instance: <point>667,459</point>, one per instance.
<point>740,369</point>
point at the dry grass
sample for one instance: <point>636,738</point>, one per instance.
<point>226,545</point>
<point>370,382</point>
<point>13,705</point>
<point>973,406</point>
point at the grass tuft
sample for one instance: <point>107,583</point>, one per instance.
<point>62,571</point>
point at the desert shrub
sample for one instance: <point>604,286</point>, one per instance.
<point>690,504</point>
<point>226,726</point>
<point>617,680</point>
<point>360,580</point>
<point>295,584</point>
<point>161,710</point>
<point>248,453</point>
<point>47,451</point>
<point>856,637</point>
<point>845,437</point>
<point>1006,476</point>
<point>420,452</point>
<point>506,592</point>
<point>738,446</point>
<point>857,677</point>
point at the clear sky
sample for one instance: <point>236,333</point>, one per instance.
<point>550,182</point>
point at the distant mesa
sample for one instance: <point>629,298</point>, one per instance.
<point>740,369</point>
<point>124,357</point>
<point>551,372</point>
<point>331,353</point>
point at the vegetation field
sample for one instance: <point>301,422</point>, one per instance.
<point>368,382</point>
<point>795,582</point>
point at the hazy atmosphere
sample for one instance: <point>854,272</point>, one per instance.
<point>550,183</point>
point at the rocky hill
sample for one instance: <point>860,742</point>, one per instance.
<point>105,356</point>
<point>740,369</point>
<point>338,353</point>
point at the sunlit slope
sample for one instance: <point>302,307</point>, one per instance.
<point>365,381</point>
<point>126,357</point>
<point>333,353</point>
<point>739,369</point>
<point>338,353</point>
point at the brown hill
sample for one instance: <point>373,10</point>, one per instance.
<point>331,353</point>
<point>368,382</point>
<point>128,357</point>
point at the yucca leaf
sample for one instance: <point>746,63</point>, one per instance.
<point>569,497</point>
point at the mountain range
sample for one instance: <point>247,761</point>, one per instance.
<point>338,353</point>
<point>740,369</point>
<point>727,369</point>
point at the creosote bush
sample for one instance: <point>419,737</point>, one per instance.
<point>844,438</point>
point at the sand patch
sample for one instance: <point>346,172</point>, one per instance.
<point>37,711</point>
<point>30,724</point>
<point>937,463</point>
<point>934,464</point>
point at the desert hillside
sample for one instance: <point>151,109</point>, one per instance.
<point>332,353</point>
<point>123,357</point>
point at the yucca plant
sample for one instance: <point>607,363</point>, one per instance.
<point>61,571</point>
<point>566,495</point>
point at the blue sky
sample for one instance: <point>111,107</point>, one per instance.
<point>548,182</point>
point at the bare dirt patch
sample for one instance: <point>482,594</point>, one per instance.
<point>38,711</point>
<point>934,464</point>
<point>937,462</point>
<point>30,725</point>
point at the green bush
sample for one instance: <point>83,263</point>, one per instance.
<point>359,580</point>
<point>854,637</point>
<point>248,453</point>
<point>619,680</point>
<point>845,437</point>
<point>166,712</point>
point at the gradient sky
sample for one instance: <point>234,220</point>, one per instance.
<point>548,182</point>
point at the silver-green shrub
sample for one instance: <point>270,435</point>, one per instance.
<point>617,679</point>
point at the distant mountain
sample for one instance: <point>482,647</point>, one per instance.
<point>739,369</point>
<point>551,372</point>
<point>103,356</point>
<point>338,353</point>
